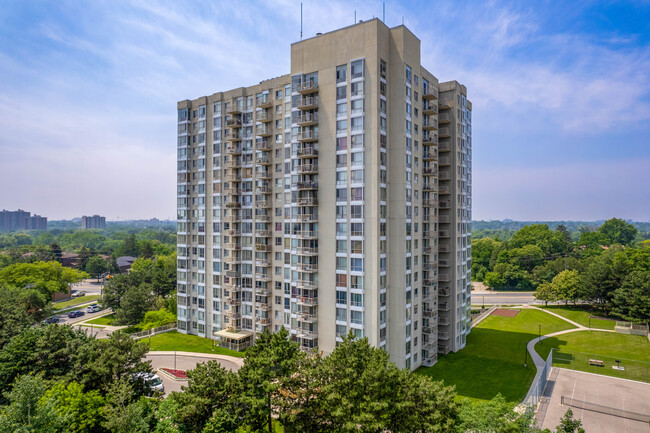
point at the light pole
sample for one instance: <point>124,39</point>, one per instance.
<point>540,334</point>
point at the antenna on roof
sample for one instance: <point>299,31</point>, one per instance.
<point>301,21</point>
<point>384,17</point>
<point>402,19</point>
<point>355,17</point>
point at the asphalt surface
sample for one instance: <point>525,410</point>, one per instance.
<point>183,362</point>
<point>503,298</point>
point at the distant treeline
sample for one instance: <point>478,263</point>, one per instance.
<point>505,229</point>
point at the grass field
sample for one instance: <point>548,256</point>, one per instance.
<point>75,301</point>
<point>104,320</point>
<point>574,350</point>
<point>493,360</point>
<point>580,314</point>
<point>188,343</point>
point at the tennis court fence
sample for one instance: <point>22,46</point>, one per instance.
<point>593,407</point>
<point>536,390</point>
<point>606,365</point>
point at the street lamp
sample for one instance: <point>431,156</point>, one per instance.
<point>540,333</point>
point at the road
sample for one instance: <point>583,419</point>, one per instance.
<point>502,298</point>
<point>185,362</point>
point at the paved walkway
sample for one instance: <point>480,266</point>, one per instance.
<point>538,360</point>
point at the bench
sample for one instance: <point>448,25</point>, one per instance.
<point>597,362</point>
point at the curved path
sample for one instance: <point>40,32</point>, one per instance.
<point>538,360</point>
<point>187,361</point>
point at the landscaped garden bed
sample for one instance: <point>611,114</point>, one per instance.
<point>174,374</point>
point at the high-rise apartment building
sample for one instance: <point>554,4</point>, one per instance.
<point>21,220</point>
<point>331,200</point>
<point>93,222</point>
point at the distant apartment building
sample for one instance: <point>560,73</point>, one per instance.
<point>93,222</point>
<point>334,199</point>
<point>21,220</point>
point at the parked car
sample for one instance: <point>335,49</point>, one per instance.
<point>77,293</point>
<point>93,308</point>
<point>73,314</point>
<point>152,382</point>
<point>50,320</point>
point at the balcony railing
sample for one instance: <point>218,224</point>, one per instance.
<point>306,87</point>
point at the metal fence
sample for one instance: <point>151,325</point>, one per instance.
<point>536,390</point>
<point>153,331</point>
<point>593,407</point>
<point>606,365</point>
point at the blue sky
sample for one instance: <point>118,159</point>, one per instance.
<point>88,91</point>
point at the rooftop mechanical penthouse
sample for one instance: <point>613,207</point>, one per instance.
<point>334,199</point>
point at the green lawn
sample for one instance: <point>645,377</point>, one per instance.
<point>187,343</point>
<point>75,301</point>
<point>574,351</point>
<point>493,360</point>
<point>580,314</point>
<point>104,320</point>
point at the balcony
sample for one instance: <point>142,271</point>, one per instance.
<point>428,171</point>
<point>263,101</point>
<point>263,218</point>
<point>430,124</point>
<point>232,177</point>
<point>445,118</point>
<point>235,107</point>
<point>265,189</point>
<point>307,135</point>
<point>308,301</point>
<point>235,246</point>
<point>306,285</point>
<point>307,234</point>
<point>307,119</point>
<point>307,334</point>
<point>263,130</point>
<point>307,151</point>
<point>233,150</point>
<point>263,116</point>
<point>445,103</point>
<point>263,247</point>
<point>232,163</point>
<point>307,103</point>
<point>232,232</point>
<point>263,174</point>
<point>429,187</point>
<point>444,147</point>
<point>430,156</point>
<point>263,145</point>
<point>444,306</point>
<point>234,136</point>
<point>307,267</point>
<point>443,233</point>
<point>233,205</point>
<point>445,204</point>
<point>430,93</point>
<point>430,203</point>
<point>232,191</point>
<point>443,335</point>
<point>445,132</point>
<point>307,251</point>
<point>233,274</point>
<point>263,204</point>
<point>262,264</point>
<point>307,87</point>
<point>308,217</point>
<point>305,186</point>
<point>263,160</point>
<point>264,321</point>
<point>232,218</point>
<point>263,233</point>
<point>233,123</point>
<point>308,168</point>
<point>308,201</point>
<point>307,317</point>
<point>445,292</point>
<point>429,108</point>
<point>430,140</point>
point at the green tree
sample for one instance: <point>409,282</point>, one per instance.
<point>526,257</point>
<point>566,285</point>
<point>20,309</point>
<point>23,239</point>
<point>534,234</point>
<point>47,277</point>
<point>154,319</point>
<point>44,238</point>
<point>123,413</point>
<point>110,360</point>
<point>96,266</point>
<point>569,425</point>
<point>137,300</point>
<point>631,301</point>
<point>57,251</point>
<point>129,246</point>
<point>546,293</point>
<point>21,413</point>
<point>618,231</point>
<point>71,410</point>
<point>496,415</point>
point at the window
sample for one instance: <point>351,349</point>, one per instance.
<point>356,299</point>
<point>408,74</point>
<point>341,263</point>
<point>357,141</point>
<point>342,109</point>
<point>356,69</point>
<point>356,317</point>
<point>341,126</point>
<point>341,73</point>
<point>382,68</point>
<point>357,123</point>
<point>341,92</point>
<point>356,89</point>
<point>342,143</point>
<point>341,314</point>
<point>341,297</point>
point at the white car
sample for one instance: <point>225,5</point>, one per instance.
<point>93,308</point>
<point>151,380</point>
